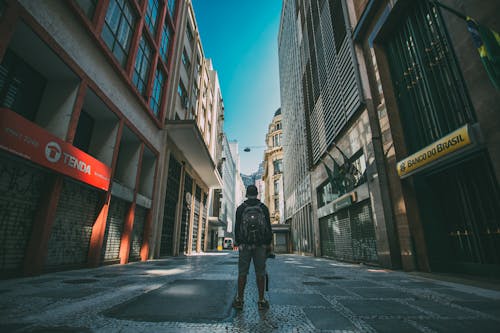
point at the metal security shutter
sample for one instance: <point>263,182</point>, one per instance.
<point>75,216</point>
<point>186,213</point>
<point>20,187</point>
<point>349,234</point>
<point>114,227</point>
<point>364,244</point>
<point>203,221</point>
<point>137,233</point>
<point>196,220</point>
<point>326,237</point>
<point>171,199</point>
<point>342,235</point>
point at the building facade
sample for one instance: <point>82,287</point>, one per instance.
<point>350,220</point>
<point>93,165</point>
<point>273,180</point>
<point>273,169</point>
<point>296,187</point>
<point>438,114</point>
<point>190,147</point>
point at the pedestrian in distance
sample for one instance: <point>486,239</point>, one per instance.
<point>253,236</point>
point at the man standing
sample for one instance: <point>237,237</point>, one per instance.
<point>253,235</point>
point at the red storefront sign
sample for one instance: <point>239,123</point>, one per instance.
<point>28,140</point>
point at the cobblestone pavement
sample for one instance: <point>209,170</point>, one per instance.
<point>194,294</point>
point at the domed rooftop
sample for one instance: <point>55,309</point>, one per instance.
<point>278,112</point>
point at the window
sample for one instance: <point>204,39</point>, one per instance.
<point>165,42</point>
<point>276,204</point>
<point>2,7</point>
<point>277,140</point>
<point>185,60</point>
<point>157,93</point>
<point>189,33</point>
<point>88,7</point>
<point>338,23</point>
<point>83,133</point>
<point>276,186</point>
<point>171,7</point>
<point>430,92</point>
<point>21,87</point>
<point>278,125</point>
<point>142,65</point>
<point>196,91</point>
<point>119,28</point>
<point>278,165</point>
<point>209,133</point>
<point>202,119</point>
<point>152,15</point>
<point>181,90</point>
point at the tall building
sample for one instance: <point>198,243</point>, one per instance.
<point>191,145</point>
<point>273,169</point>
<point>239,189</point>
<point>297,188</point>
<point>228,205</point>
<point>106,152</point>
<point>320,64</point>
<point>273,180</point>
<point>437,109</point>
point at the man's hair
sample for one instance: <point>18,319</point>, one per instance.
<point>252,191</point>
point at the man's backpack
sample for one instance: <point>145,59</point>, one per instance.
<point>253,229</point>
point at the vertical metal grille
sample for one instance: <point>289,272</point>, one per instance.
<point>203,221</point>
<point>70,235</point>
<point>114,227</point>
<point>470,202</point>
<point>137,233</point>
<point>349,235</point>
<point>196,220</point>
<point>186,213</point>
<point>21,186</point>
<point>431,95</point>
<point>171,199</point>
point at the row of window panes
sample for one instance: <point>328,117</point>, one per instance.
<point>278,166</point>
<point>117,34</point>
<point>277,140</point>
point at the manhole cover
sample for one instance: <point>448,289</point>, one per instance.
<point>331,277</point>
<point>314,283</point>
<point>81,281</point>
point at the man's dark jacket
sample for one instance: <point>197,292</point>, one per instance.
<point>239,213</point>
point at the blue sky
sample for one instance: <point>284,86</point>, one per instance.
<point>240,37</point>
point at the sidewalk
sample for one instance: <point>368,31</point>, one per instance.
<point>194,294</point>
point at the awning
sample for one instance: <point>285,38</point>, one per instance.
<point>214,221</point>
<point>280,228</point>
<point>187,137</point>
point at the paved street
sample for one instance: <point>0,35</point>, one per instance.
<point>193,294</point>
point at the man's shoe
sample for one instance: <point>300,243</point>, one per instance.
<point>263,304</point>
<point>238,303</point>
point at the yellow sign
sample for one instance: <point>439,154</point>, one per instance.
<point>444,146</point>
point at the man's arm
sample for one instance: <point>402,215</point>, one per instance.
<point>237,226</point>
<point>269,239</point>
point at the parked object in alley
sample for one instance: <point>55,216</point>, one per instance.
<point>228,243</point>
<point>254,242</point>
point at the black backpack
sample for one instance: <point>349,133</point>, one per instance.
<point>253,228</point>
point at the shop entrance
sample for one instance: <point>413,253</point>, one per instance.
<point>460,210</point>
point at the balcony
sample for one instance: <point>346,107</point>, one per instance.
<point>188,138</point>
